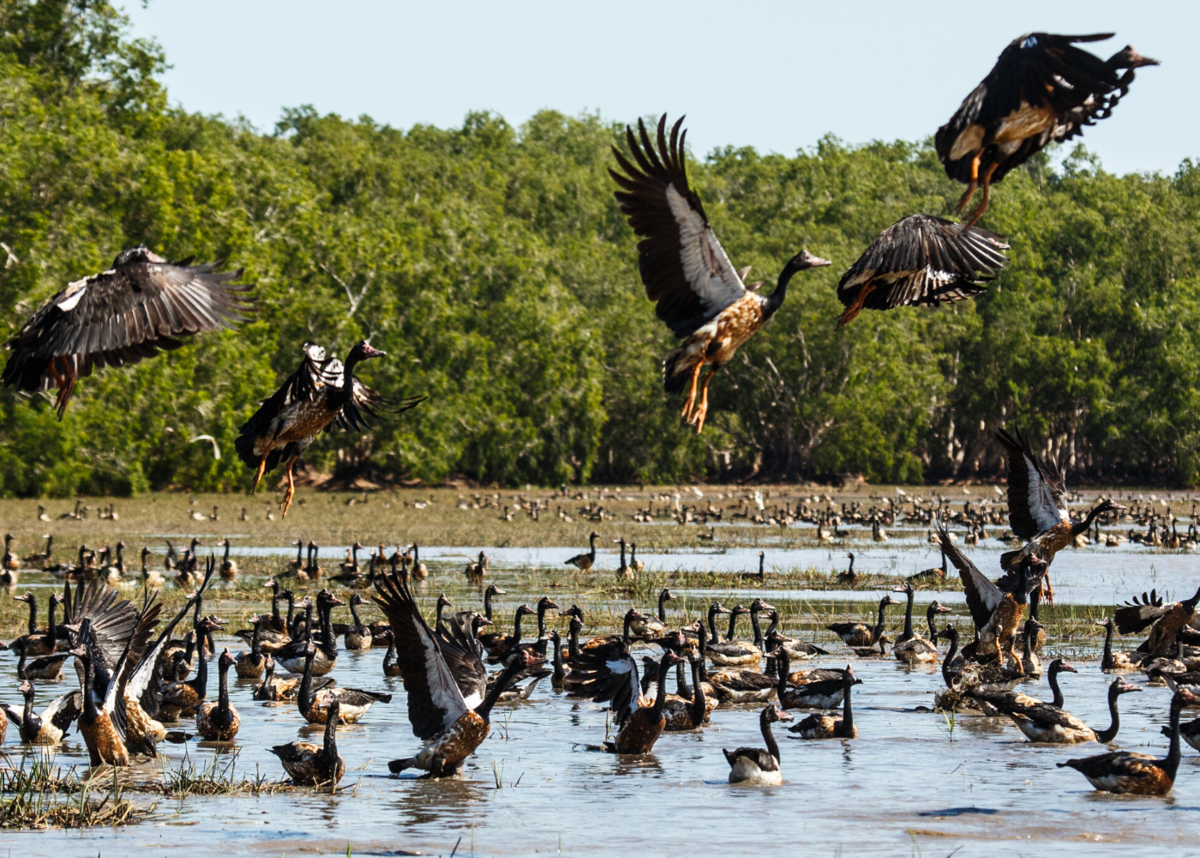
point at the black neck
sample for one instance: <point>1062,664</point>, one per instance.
<point>950,653</point>
<point>89,704</point>
<point>305,696</point>
<point>625,636</point>
<point>847,715</point>
<point>732,624</point>
<point>484,710</point>
<point>622,553</point>
<point>698,702</point>
<point>331,733</point>
<point>541,615</point>
<point>929,615</point>
<point>1171,763</point>
<point>556,658</point>
<point>573,638</point>
<point>358,623</point>
<point>33,616</point>
<point>30,723</point>
<point>487,603</point>
<point>784,666</point>
<point>771,303</point>
<point>660,694</point>
<point>276,619</point>
<point>908,629</point>
<point>1057,700</point>
<point>662,603</point>
<point>1106,736</point>
<point>200,683</point>
<point>1107,658</point>
<point>517,627</point>
<point>256,640</point>
<point>764,721</point>
<point>879,625</point>
<point>712,623</point>
<point>758,636</point>
<point>223,686</point>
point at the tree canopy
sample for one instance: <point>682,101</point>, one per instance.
<point>492,264</point>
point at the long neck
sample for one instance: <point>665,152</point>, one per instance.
<point>305,696</point>
<point>226,552</point>
<point>1085,525</point>
<point>331,735</point>
<point>52,630</point>
<point>625,636</point>
<point>223,686</point>
<point>200,683</point>
<point>541,615</point>
<point>556,658</point>
<point>1171,763</point>
<point>256,641</point>
<point>275,618</point>
<point>712,625</point>
<point>89,703</point>
<point>1107,658</point>
<point>622,553</point>
<point>847,714</point>
<point>929,615</point>
<point>1057,701</point>
<point>908,629</point>
<point>784,666</point>
<point>328,642</point>
<point>592,542</point>
<point>758,636</point>
<point>879,625</point>
<point>358,623</point>
<point>27,718</point>
<point>33,616</point>
<point>517,627</point>
<point>662,606</point>
<point>484,710</point>
<point>772,302</point>
<point>1106,736</point>
<point>487,604</point>
<point>390,656</point>
<point>732,625</point>
<point>660,694</point>
<point>698,702</point>
<point>769,737</point>
<point>946,675</point>
<point>573,639</point>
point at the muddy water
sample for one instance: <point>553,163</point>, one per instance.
<point>913,782</point>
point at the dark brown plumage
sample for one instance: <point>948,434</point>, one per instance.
<point>920,261</point>
<point>699,294</point>
<point>1042,89</point>
<point>132,311</point>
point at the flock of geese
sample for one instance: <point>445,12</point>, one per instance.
<point>139,684</point>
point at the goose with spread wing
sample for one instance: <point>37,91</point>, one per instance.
<point>441,717</point>
<point>612,678</point>
<point>699,294</point>
<point>1165,620</point>
<point>132,311</point>
<point>997,608</point>
<point>318,394</point>
<point>1037,504</point>
<point>920,261</point>
<point>52,724</point>
<point>1042,90</point>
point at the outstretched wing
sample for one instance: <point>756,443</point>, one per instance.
<point>1036,489</point>
<point>1042,88</point>
<point>434,701</point>
<point>923,260</point>
<point>983,596</point>
<point>301,387</point>
<point>607,677</point>
<point>683,266</point>
<point>1137,615</point>
<point>120,316</point>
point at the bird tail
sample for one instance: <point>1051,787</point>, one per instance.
<point>675,371</point>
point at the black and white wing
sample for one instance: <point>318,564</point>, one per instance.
<point>113,622</point>
<point>132,311</point>
<point>683,266</point>
<point>1036,489</point>
<point>983,596</point>
<point>63,710</point>
<point>607,677</point>
<point>461,652</point>
<point>302,386</point>
<point>1042,89</point>
<point>922,261</point>
<point>145,675</point>
<point>135,649</point>
<point>1137,615</point>
<point>434,701</point>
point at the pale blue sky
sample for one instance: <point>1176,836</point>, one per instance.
<point>773,75</point>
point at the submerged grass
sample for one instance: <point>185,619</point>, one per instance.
<point>216,777</point>
<point>34,794</point>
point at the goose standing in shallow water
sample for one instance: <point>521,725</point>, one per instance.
<point>859,634</point>
<point>1113,661</point>
<point>584,561</point>
<point>307,763</point>
<point>1137,774</point>
<point>219,722</point>
<point>830,727</point>
<point>910,647</point>
<point>450,729</point>
<point>754,765</point>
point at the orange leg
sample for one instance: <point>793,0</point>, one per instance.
<point>974,217</point>
<point>962,203</point>
<point>691,400</point>
<point>1047,590</point>
<point>854,309</point>
<point>700,413</point>
<point>262,467</point>
<point>291,489</point>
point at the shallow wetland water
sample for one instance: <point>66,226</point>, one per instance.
<point>913,783</point>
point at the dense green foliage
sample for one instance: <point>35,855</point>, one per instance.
<point>492,264</point>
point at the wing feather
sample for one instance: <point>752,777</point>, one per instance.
<point>683,266</point>
<point>983,596</point>
<point>1036,489</point>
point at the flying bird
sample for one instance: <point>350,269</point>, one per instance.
<point>919,261</point>
<point>1037,503</point>
<point>318,394</point>
<point>700,296</point>
<point>1042,90</point>
<point>132,311</point>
